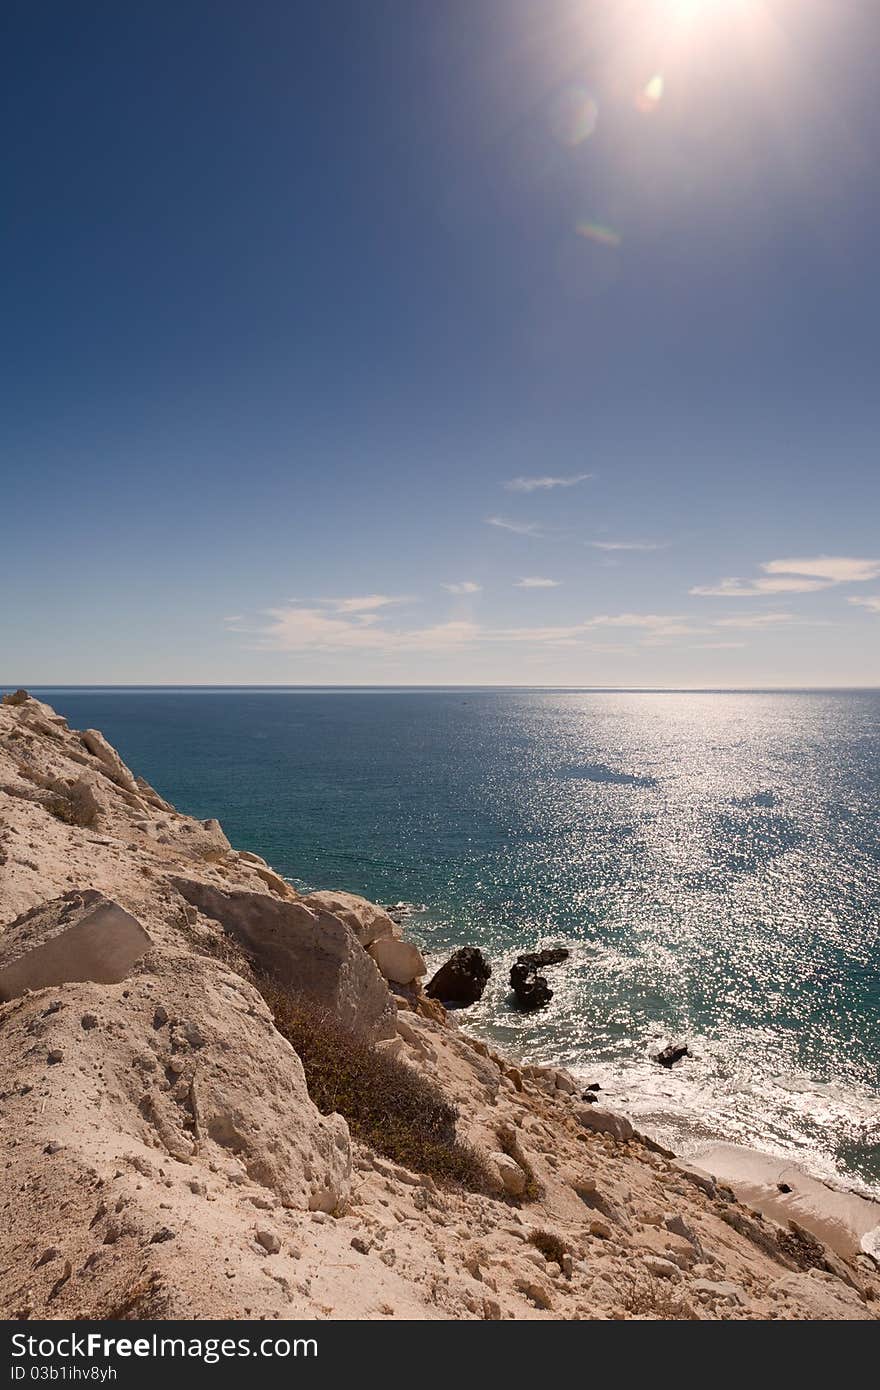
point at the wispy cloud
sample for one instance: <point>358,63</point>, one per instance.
<point>757,588</point>
<point>367,603</point>
<point>628,545</point>
<point>795,576</point>
<point>543,483</point>
<point>755,620</point>
<point>535,581</point>
<point>870,601</point>
<point>519,528</point>
<point>657,628</point>
<point>465,586</point>
<point>300,629</point>
<point>309,628</point>
<point>837,569</point>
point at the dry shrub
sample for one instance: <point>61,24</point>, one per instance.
<point>652,1302</point>
<point>388,1105</point>
<point>145,1299</point>
<point>550,1245</point>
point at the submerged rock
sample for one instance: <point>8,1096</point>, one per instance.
<point>671,1054</point>
<point>530,988</point>
<point>462,979</point>
<point>538,959</point>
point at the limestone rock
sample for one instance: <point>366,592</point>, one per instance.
<point>399,961</point>
<point>604,1122</point>
<point>510,1173</point>
<point>274,881</point>
<point>368,922</point>
<point>80,936</point>
<point>722,1290</point>
<point>307,950</point>
<point>98,746</point>
<point>824,1296</point>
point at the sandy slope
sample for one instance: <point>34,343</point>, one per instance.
<point>160,1151</point>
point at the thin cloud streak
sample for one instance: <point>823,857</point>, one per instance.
<point>466,586</point>
<point>869,601</point>
<point>536,582</point>
<point>303,629</point>
<point>519,528</point>
<point>368,603</point>
<point>755,620</point>
<point>795,576</point>
<point>544,483</point>
<point>628,545</point>
<point>759,588</point>
<point>837,569</point>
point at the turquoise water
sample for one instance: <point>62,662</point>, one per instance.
<point>711,859</point>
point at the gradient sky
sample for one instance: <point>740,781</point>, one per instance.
<point>445,341</point>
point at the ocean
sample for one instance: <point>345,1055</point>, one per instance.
<point>710,859</point>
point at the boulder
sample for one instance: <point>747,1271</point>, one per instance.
<point>823,1296</point>
<point>151,796</point>
<point>307,950</point>
<point>106,754</point>
<point>367,921</point>
<point>671,1054</point>
<point>398,961</point>
<point>512,1176</point>
<point>274,881</point>
<point>537,960</point>
<point>604,1122</point>
<point>531,990</point>
<point>80,936</point>
<point>462,979</point>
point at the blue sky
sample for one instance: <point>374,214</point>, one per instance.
<point>332,329</point>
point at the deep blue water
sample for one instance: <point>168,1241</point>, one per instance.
<point>711,859</point>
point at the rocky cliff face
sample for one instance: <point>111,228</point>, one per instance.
<point>161,1153</point>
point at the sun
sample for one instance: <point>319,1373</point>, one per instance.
<point>689,11</point>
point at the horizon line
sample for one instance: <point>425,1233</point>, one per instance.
<point>401,685</point>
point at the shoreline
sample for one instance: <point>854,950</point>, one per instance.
<point>182,1159</point>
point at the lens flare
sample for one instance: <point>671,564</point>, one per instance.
<point>595,231</point>
<point>651,95</point>
<point>574,116</point>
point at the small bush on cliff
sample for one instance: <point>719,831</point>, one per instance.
<point>387,1104</point>
<point>551,1246</point>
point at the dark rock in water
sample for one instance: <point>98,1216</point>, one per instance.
<point>672,1054</point>
<point>538,959</point>
<point>590,1097</point>
<point>783,1187</point>
<point>531,989</point>
<point>462,979</point>
<point>593,1086</point>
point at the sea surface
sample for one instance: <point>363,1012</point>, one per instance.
<point>712,861</point>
